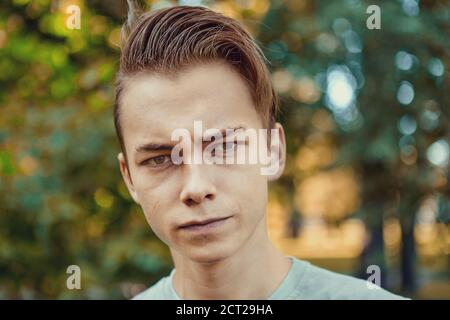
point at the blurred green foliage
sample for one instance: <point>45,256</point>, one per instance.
<point>386,90</point>
<point>62,200</point>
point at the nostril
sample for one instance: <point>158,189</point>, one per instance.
<point>192,201</point>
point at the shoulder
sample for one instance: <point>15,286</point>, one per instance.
<point>158,291</point>
<point>319,283</point>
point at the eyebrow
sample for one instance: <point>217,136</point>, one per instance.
<point>152,147</point>
<point>224,131</point>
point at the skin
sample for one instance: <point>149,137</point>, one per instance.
<point>237,260</point>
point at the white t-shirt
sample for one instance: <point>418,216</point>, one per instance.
<point>303,281</point>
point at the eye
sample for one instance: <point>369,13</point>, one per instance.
<point>157,161</point>
<point>225,149</point>
<point>229,146</point>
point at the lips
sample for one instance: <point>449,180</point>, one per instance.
<point>202,223</point>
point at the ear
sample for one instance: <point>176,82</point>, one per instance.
<point>127,177</point>
<point>278,152</point>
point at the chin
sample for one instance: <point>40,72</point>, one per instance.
<point>209,255</point>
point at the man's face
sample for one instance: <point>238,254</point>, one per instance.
<point>152,107</point>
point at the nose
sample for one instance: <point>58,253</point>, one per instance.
<point>197,185</point>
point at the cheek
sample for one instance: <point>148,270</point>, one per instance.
<point>154,218</point>
<point>155,208</point>
<point>155,191</point>
<point>249,189</point>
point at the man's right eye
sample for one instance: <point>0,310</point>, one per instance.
<point>157,161</point>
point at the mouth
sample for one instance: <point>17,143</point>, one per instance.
<point>205,224</point>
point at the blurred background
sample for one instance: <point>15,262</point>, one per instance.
<point>366,114</point>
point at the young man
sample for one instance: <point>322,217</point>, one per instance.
<point>187,64</point>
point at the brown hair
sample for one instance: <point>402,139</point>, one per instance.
<point>166,40</point>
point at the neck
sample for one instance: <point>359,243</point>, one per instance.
<point>253,272</point>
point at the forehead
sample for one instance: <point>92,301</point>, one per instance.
<point>153,105</point>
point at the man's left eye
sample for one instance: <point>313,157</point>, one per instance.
<point>229,146</point>
<point>225,149</point>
